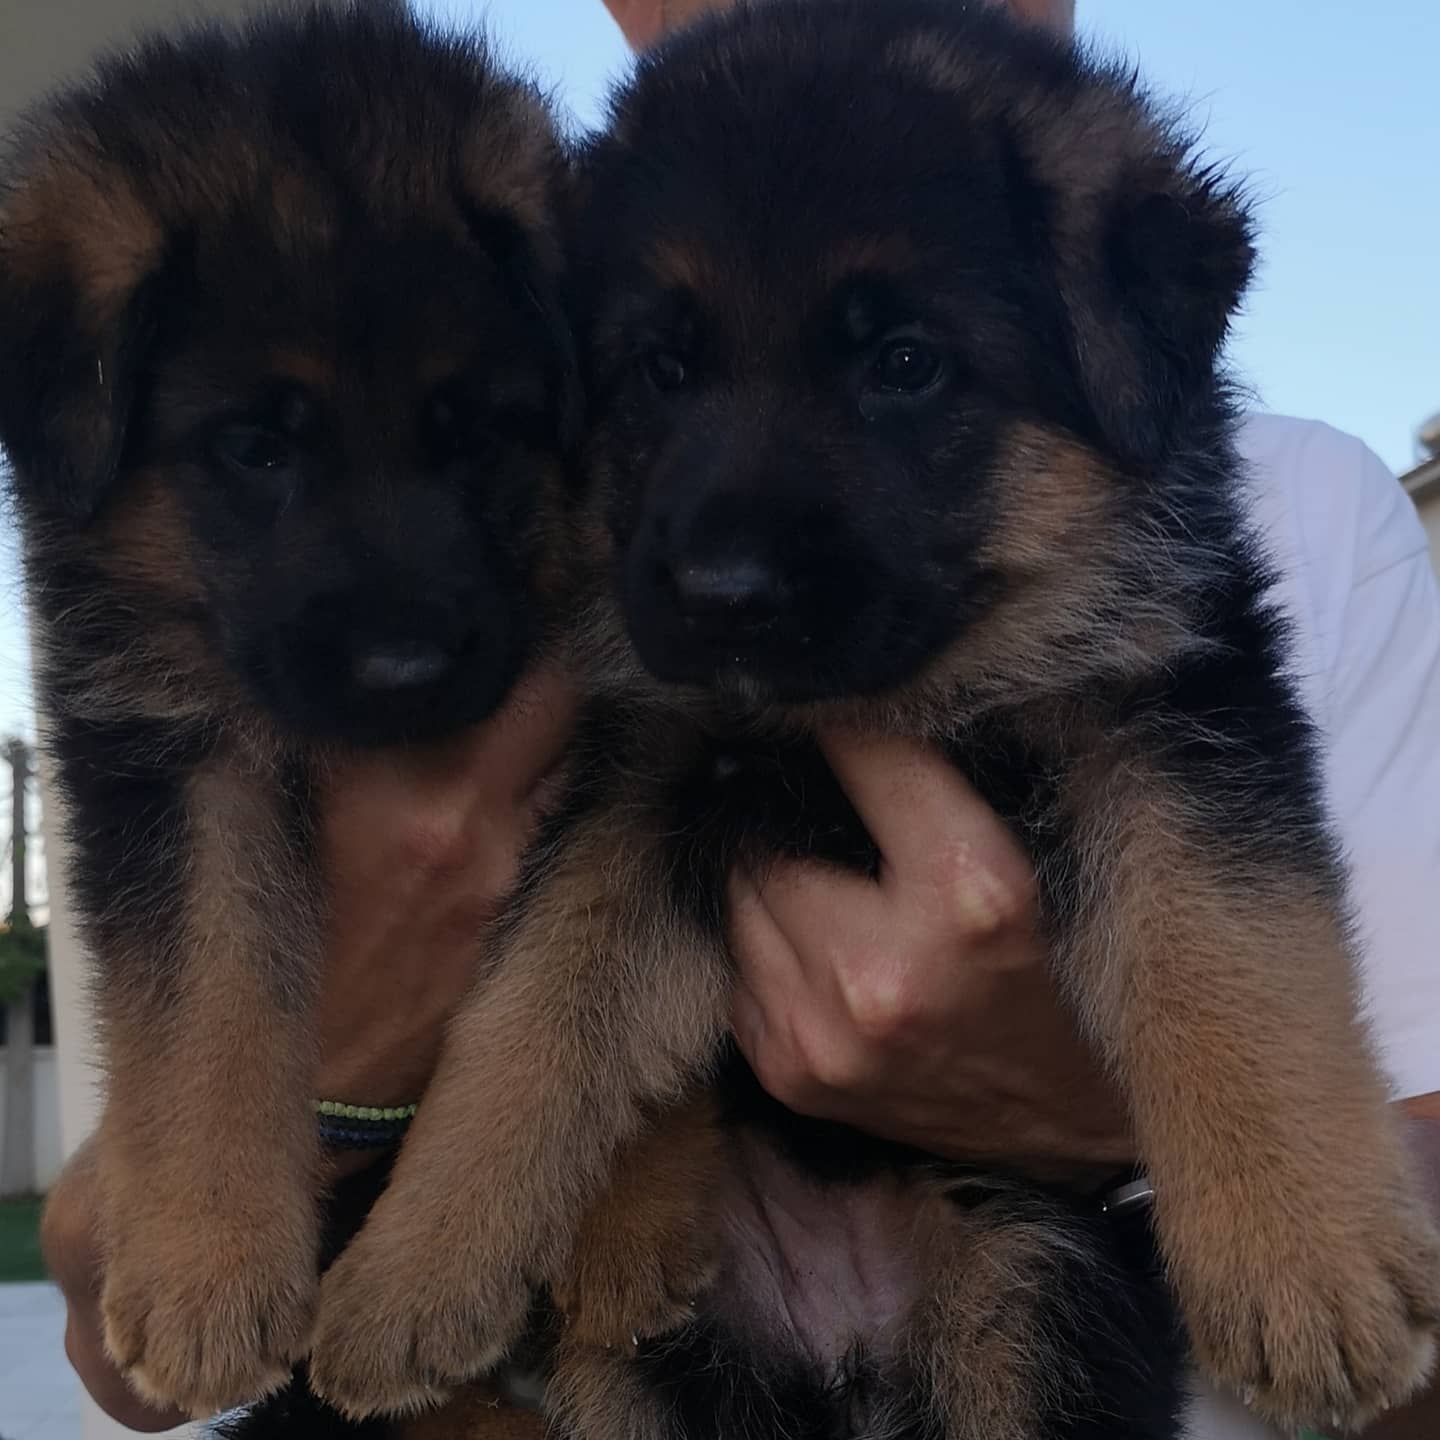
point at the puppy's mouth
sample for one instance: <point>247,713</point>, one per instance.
<point>395,690</point>
<point>778,620</point>
<point>782,663</point>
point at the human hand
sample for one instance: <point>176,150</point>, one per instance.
<point>643,22</point>
<point>919,1007</point>
<point>70,1242</point>
<point>419,848</point>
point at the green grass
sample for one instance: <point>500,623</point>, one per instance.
<point>20,1239</point>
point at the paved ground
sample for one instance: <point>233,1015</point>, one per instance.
<point>39,1394</point>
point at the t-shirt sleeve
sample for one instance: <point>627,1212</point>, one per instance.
<point>1382,668</point>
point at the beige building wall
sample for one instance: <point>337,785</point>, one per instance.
<point>1429,507</point>
<point>42,42</point>
<point>1423,485</point>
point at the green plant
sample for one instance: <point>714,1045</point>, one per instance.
<point>22,958</point>
<point>20,1239</point>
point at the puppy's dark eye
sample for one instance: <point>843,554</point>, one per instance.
<point>665,369</point>
<point>251,448</point>
<point>907,367</point>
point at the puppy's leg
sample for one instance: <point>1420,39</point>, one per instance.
<point>475,1413</point>
<point>1035,1322</point>
<point>972,1347</point>
<point>207,1152</point>
<point>647,1248</point>
<point>598,1393</point>
<point>604,1002</point>
<point>1204,947</point>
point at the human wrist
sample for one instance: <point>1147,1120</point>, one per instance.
<point>361,1080</point>
<point>366,1078</point>
<point>382,1057</point>
<point>1036,1146</point>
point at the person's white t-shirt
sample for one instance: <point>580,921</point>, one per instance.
<point>1356,580</point>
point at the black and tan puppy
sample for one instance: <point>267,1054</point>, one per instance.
<point>903,335</point>
<point>283,383</point>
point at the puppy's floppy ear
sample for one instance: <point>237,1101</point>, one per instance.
<point>504,238</point>
<point>512,176</point>
<point>78,253</point>
<point>1151,292</point>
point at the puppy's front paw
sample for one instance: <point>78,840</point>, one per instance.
<point>618,1291</point>
<point>206,1315</point>
<point>1327,1324</point>
<point>398,1330</point>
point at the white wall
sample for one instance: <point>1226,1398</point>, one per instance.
<point>48,1152</point>
<point>76,1086</point>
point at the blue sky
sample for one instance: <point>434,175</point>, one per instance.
<point>1329,105</point>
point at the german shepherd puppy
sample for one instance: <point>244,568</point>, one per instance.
<point>902,330</point>
<point>284,383</point>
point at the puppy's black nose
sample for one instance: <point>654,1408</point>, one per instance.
<point>744,593</point>
<point>400,665</point>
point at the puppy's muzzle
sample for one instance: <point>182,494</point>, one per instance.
<point>401,665</point>
<point>739,596</point>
